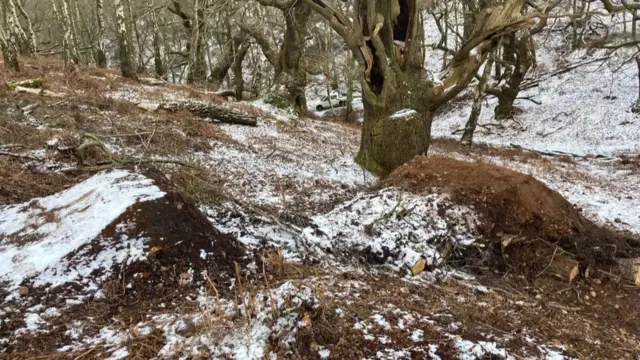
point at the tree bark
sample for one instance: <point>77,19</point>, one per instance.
<point>15,30</point>
<point>197,64</point>
<point>209,110</point>
<point>9,51</point>
<point>127,67</point>
<point>101,56</point>
<point>71,32</point>
<point>636,107</point>
<point>237,71</point>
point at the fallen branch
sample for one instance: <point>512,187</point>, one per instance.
<point>20,156</point>
<point>533,83</point>
<point>29,83</point>
<point>42,92</point>
<point>205,110</point>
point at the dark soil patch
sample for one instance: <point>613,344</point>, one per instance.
<point>512,203</point>
<point>184,253</point>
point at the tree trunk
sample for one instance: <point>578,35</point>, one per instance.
<point>132,30</point>
<point>390,139</point>
<point>197,63</point>
<point>127,66</point>
<point>220,70</point>
<point>33,42</point>
<point>158,46</point>
<point>387,43</point>
<point>237,71</point>
<point>101,56</point>
<point>636,107</point>
<point>70,32</point>
<point>15,30</point>
<point>9,51</point>
<point>519,53</point>
<point>476,108</point>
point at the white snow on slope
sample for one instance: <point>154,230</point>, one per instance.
<point>37,235</point>
<point>393,227</point>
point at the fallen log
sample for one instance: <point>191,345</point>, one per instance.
<point>29,83</point>
<point>42,92</point>
<point>206,110</point>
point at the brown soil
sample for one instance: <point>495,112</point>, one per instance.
<point>511,203</point>
<point>176,234</point>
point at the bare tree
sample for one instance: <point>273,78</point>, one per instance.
<point>195,27</point>
<point>158,44</point>
<point>387,41</point>
<point>32,41</point>
<point>287,61</point>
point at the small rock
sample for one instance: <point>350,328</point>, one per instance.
<point>593,294</point>
<point>617,220</point>
<point>23,291</point>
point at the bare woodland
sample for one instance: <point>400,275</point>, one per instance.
<point>225,44</point>
<point>215,121</point>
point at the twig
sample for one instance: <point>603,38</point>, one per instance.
<point>528,98</point>
<point>85,353</point>
<point>20,156</point>
<point>213,286</point>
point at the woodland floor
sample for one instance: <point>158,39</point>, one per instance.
<point>269,241</point>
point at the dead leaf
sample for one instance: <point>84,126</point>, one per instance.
<point>419,266</point>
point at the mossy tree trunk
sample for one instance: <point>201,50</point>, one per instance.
<point>387,40</point>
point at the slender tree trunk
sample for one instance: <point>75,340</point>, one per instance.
<point>33,42</point>
<point>127,66</point>
<point>197,63</point>
<point>237,71</point>
<point>68,43</point>
<point>158,46</point>
<point>9,50</point>
<point>134,48</point>
<point>70,28</point>
<point>636,107</point>
<point>476,108</point>
<point>101,56</point>
<point>15,30</point>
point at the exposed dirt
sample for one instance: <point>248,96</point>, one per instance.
<point>181,244</point>
<point>512,203</point>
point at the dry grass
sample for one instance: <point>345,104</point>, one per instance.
<point>20,184</point>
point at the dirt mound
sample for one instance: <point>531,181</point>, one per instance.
<point>514,204</point>
<point>153,249</point>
